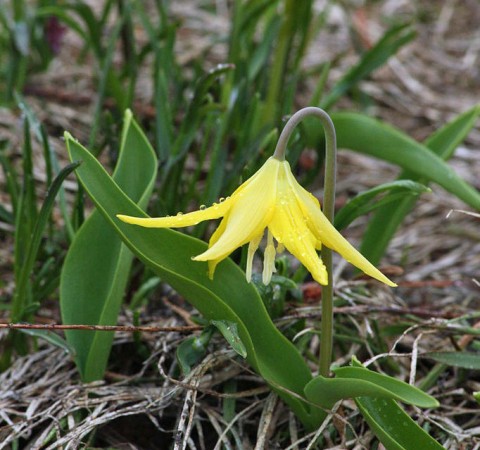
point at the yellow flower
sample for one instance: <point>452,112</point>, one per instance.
<point>272,199</point>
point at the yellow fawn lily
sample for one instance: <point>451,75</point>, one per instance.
<point>272,199</point>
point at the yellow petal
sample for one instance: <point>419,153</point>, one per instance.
<point>325,232</point>
<point>290,229</point>
<point>252,207</point>
<point>214,238</point>
<point>181,220</point>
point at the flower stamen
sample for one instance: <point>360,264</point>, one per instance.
<point>269,260</point>
<point>252,248</point>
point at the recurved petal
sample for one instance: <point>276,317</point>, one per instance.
<point>252,208</point>
<point>212,263</point>
<point>289,228</point>
<point>325,232</point>
<point>181,220</point>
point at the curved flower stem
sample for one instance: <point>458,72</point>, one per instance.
<point>326,337</point>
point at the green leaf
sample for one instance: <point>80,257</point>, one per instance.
<point>227,297</point>
<point>392,426</point>
<point>229,331</point>
<point>372,137</point>
<point>50,337</point>
<point>364,202</point>
<point>34,240</point>
<point>96,268</point>
<point>405,392</point>
<point>445,140</point>
<point>465,360</point>
<point>351,382</point>
<point>388,218</point>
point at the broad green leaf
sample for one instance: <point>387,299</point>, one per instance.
<point>372,137</point>
<point>365,202</point>
<point>388,218</point>
<point>229,331</point>
<point>392,425</point>
<point>396,37</point>
<point>352,382</point>
<point>227,297</point>
<point>465,360</point>
<point>405,392</point>
<point>96,268</point>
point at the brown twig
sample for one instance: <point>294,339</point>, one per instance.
<point>185,315</point>
<point>465,340</point>
<point>127,328</point>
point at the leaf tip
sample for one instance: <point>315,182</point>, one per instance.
<point>127,117</point>
<point>67,136</point>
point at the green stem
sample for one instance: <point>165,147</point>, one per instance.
<point>326,337</point>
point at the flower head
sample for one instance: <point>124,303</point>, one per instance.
<point>271,199</point>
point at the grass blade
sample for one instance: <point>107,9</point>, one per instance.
<point>465,360</point>
<point>364,202</point>
<point>372,137</point>
<point>388,218</point>
<point>19,299</point>
<point>394,38</point>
